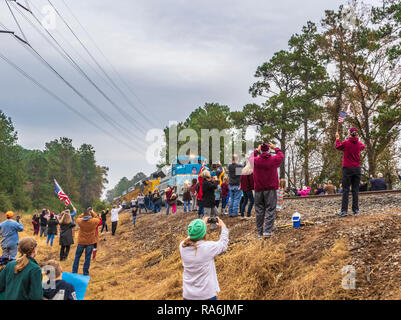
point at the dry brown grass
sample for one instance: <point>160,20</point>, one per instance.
<point>143,263</point>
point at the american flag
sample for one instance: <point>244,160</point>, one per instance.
<point>60,194</point>
<point>344,114</point>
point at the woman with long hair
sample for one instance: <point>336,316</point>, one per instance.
<point>66,236</point>
<point>197,254</point>
<point>21,279</point>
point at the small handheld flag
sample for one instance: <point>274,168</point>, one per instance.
<point>60,194</point>
<point>344,114</point>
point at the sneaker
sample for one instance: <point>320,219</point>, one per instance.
<point>343,213</point>
<point>356,212</point>
<point>267,234</point>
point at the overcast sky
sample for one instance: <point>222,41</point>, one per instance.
<point>175,55</point>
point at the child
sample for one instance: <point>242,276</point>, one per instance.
<point>62,290</point>
<point>217,196</point>
<point>51,229</point>
<point>305,191</point>
<point>280,194</point>
<point>173,203</point>
<point>97,240</point>
<point>36,223</point>
<point>224,195</point>
<point>186,197</point>
<point>134,211</point>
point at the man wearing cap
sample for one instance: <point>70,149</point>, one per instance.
<point>266,183</point>
<point>351,148</point>
<point>200,277</point>
<point>9,231</point>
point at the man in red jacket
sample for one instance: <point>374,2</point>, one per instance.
<point>352,148</point>
<point>266,183</point>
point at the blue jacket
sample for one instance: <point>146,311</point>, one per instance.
<point>378,184</point>
<point>9,231</point>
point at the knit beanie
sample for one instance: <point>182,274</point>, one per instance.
<point>197,229</point>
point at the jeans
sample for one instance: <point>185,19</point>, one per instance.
<point>224,202</point>
<point>10,252</point>
<point>158,207</point>
<point>88,254</point>
<point>113,227</point>
<point>167,207</point>
<point>235,196</point>
<point>265,207</point>
<point>248,195</point>
<point>351,177</point>
<point>134,219</point>
<point>187,204</point>
<point>200,208</point>
<point>51,238</point>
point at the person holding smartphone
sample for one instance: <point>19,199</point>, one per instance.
<point>200,277</point>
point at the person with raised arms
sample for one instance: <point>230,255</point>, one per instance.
<point>351,148</point>
<point>114,218</point>
<point>200,277</point>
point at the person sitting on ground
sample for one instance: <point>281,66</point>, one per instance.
<point>62,290</point>
<point>200,277</point>
<point>330,188</point>
<point>9,232</point>
<point>320,190</point>
<point>51,229</point>
<point>378,184</point>
<point>363,186</point>
<point>88,223</point>
<point>305,191</point>
<point>66,236</point>
<point>21,279</point>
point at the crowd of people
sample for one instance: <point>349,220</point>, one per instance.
<point>215,193</point>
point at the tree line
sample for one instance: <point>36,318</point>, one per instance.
<point>26,176</point>
<point>351,58</point>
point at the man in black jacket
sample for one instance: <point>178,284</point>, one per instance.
<point>43,223</point>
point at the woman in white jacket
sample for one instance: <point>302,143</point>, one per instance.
<point>197,254</point>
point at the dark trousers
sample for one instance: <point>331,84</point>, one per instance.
<point>351,178</point>
<point>248,195</point>
<point>265,207</point>
<point>113,227</point>
<point>200,209</point>
<point>64,251</point>
<point>88,254</point>
<point>104,225</point>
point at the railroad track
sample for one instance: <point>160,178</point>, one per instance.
<point>366,193</point>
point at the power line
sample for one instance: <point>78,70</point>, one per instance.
<point>26,75</point>
<point>69,59</point>
<point>111,121</point>
<point>98,64</point>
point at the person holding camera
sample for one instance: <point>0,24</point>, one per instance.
<point>200,277</point>
<point>209,187</point>
<point>266,184</point>
<point>9,232</point>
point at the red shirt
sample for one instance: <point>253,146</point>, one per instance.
<point>265,170</point>
<point>352,148</point>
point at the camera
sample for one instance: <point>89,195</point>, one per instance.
<point>18,218</point>
<point>212,220</point>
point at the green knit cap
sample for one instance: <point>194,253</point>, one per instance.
<point>197,229</point>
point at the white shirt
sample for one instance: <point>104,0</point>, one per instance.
<point>200,278</point>
<point>114,213</point>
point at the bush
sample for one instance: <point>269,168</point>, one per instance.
<point>5,203</point>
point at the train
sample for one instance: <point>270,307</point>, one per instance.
<point>182,170</point>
